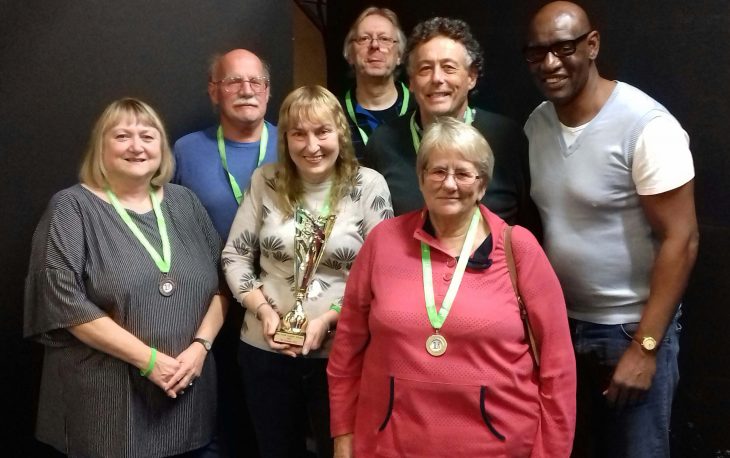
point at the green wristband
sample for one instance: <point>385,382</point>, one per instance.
<point>151,365</point>
<point>336,308</point>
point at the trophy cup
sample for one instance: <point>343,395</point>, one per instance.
<point>309,241</point>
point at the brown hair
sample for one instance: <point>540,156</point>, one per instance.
<point>313,103</point>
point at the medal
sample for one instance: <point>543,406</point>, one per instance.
<point>436,345</point>
<point>167,286</point>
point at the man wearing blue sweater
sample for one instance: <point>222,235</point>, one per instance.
<point>613,179</point>
<point>217,163</point>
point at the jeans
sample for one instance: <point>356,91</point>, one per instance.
<point>640,430</point>
<point>287,398</point>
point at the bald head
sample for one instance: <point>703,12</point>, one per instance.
<point>561,50</point>
<point>220,61</point>
<point>238,86</point>
<point>559,14</point>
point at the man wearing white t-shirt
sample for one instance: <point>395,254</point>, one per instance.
<point>613,178</point>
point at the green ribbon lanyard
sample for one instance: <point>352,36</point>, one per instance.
<point>351,110</point>
<point>237,193</point>
<point>324,212</point>
<point>437,319</point>
<point>163,262</point>
<point>415,130</point>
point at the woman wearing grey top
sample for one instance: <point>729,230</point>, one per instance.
<point>122,291</point>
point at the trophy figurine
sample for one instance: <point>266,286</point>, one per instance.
<point>309,241</point>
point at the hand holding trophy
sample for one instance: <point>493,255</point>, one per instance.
<point>309,241</point>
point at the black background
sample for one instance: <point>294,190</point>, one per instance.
<point>62,62</point>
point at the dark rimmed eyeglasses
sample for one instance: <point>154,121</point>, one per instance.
<point>233,84</point>
<point>535,54</point>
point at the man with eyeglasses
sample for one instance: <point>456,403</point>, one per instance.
<point>373,48</point>
<point>216,164</point>
<point>443,62</point>
<point>612,176</point>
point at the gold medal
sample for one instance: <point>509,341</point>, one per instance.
<point>436,345</point>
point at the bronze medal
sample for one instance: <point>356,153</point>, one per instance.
<point>167,286</point>
<point>436,345</point>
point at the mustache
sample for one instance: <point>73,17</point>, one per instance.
<point>245,101</point>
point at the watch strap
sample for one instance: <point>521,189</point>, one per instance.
<point>647,343</point>
<point>207,344</point>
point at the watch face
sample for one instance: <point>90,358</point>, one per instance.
<point>649,343</point>
<point>207,345</point>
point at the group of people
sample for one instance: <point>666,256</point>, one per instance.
<point>434,326</point>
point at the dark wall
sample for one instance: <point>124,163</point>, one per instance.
<point>61,63</point>
<point>673,51</point>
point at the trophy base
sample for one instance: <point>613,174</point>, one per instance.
<point>289,338</point>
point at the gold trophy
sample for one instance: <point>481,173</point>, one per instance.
<point>309,241</point>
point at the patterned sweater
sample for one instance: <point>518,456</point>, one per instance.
<point>260,248</point>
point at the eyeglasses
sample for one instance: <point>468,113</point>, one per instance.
<point>535,54</point>
<point>462,178</point>
<point>383,42</point>
<point>233,84</point>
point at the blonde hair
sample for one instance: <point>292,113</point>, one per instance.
<point>375,11</point>
<point>450,134</point>
<point>92,171</point>
<point>314,104</point>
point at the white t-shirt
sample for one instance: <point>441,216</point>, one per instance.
<point>662,159</point>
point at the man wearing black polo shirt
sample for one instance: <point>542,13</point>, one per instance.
<point>443,63</point>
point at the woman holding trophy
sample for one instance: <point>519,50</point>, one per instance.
<point>289,253</point>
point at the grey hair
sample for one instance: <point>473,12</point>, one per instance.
<point>215,62</point>
<point>375,11</point>
<point>450,134</point>
<point>455,29</point>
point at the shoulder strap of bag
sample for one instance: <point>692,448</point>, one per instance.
<point>507,236</point>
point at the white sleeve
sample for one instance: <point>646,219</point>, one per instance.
<point>242,251</point>
<point>376,200</point>
<point>662,159</point>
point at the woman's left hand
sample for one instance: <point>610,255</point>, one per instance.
<point>317,331</point>
<point>191,366</point>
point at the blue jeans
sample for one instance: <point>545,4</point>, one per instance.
<point>640,430</point>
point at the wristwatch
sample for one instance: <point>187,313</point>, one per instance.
<point>647,343</point>
<point>207,344</point>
